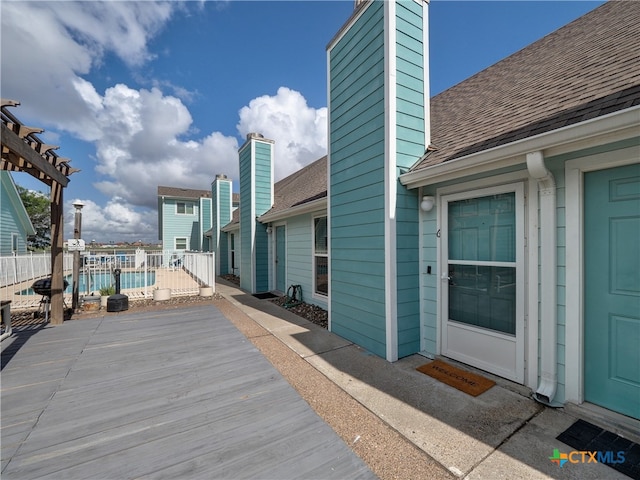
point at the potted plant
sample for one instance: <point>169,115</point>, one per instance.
<point>105,292</point>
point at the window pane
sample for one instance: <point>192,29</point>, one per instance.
<point>483,296</point>
<point>322,277</point>
<point>483,228</point>
<point>320,227</point>
<point>181,243</point>
<point>184,208</point>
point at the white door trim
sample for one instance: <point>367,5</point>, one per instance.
<point>273,278</point>
<point>517,371</point>
<point>574,317</point>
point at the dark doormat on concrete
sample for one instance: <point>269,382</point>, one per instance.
<point>264,296</point>
<point>617,452</point>
<point>464,381</point>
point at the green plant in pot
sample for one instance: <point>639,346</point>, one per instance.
<point>106,291</point>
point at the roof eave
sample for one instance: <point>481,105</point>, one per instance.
<point>612,127</point>
<point>309,207</point>
<point>230,227</point>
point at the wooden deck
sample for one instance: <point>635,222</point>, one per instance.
<point>166,394</point>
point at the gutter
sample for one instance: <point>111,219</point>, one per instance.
<point>548,381</point>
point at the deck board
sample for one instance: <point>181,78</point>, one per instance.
<point>168,394</point>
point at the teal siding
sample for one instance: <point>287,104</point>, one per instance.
<point>255,176</point>
<point>225,195</point>
<point>430,282</point>
<point>410,145</point>
<point>263,202</point>
<point>357,182</point>
<point>263,180</point>
<point>300,257</point>
<point>205,218</point>
<point>221,205</point>
<point>246,221</point>
<point>223,254</point>
<point>13,218</point>
<point>180,225</point>
<point>408,272</point>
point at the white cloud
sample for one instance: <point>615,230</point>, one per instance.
<point>117,220</point>
<point>143,138</point>
<point>300,131</point>
<point>47,46</point>
<point>141,146</point>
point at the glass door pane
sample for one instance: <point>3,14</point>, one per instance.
<point>481,267</point>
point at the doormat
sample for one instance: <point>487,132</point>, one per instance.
<point>264,296</point>
<point>464,381</point>
<point>617,452</point>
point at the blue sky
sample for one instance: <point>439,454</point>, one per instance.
<point>141,94</point>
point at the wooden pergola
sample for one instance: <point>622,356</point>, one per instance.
<point>23,151</point>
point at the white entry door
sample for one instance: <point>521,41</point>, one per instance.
<point>483,280</point>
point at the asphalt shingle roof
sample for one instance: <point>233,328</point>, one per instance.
<point>588,68</point>
<point>183,192</point>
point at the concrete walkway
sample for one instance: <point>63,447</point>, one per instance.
<point>500,434</point>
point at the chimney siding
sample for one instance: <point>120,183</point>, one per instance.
<point>378,124</point>
<point>256,197</point>
<point>221,195</point>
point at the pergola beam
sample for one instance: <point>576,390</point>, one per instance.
<point>17,145</point>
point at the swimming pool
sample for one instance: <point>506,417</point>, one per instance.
<point>95,281</point>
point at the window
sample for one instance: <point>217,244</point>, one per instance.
<point>184,208</point>
<point>14,243</point>
<point>181,243</point>
<point>482,262</point>
<point>320,256</point>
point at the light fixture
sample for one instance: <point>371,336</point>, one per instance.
<point>78,205</point>
<point>427,203</point>
<point>269,230</point>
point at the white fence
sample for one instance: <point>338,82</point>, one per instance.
<point>141,272</point>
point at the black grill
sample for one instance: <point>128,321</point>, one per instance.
<point>43,286</point>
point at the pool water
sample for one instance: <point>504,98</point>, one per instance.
<point>96,281</point>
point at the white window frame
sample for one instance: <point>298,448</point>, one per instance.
<point>232,253</point>
<point>315,255</point>
<point>186,204</point>
<point>15,243</point>
<point>186,243</point>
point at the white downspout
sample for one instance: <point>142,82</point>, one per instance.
<point>548,280</point>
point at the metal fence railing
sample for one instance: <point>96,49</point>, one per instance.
<point>141,272</point>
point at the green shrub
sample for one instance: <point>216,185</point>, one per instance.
<point>106,291</point>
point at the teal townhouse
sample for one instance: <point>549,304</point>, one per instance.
<point>496,224</point>
<point>15,221</point>
<point>184,215</point>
